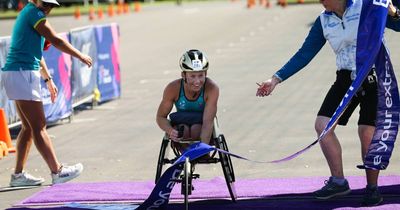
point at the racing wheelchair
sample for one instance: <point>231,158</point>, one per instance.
<point>187,175</point>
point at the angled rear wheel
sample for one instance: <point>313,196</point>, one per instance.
<point>227,167</point>
<point>161,157</point>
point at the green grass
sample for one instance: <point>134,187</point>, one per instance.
<point>8,14</point>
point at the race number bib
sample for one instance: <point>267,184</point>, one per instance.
<point>196,64</point>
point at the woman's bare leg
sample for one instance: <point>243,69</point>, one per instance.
<point>330,147</point>
<point>195,131</point>
<point>34,115</point>
<point>366,133</point>
<point>24,142</point>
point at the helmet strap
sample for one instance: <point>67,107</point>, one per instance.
<point>184,77</point>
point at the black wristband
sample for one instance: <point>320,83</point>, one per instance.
<point>48,79</point>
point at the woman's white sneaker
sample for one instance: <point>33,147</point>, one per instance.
<point>67,173</point>
<point>25,179</point>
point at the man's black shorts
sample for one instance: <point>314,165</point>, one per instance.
<point>366,96</point>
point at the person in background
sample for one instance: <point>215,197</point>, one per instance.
<point>21,76</point>
<point>338,25</point>
<point>195,97</point>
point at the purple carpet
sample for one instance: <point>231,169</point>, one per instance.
<point>283,193</point>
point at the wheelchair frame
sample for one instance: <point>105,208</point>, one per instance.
<point>218,139</point>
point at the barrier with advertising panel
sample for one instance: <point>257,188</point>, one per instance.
<point>59,65</point>
<point>84,78</point>
<point>108,78</point>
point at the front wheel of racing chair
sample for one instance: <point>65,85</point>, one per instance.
<point>186,182</point>
<point>218,140</point>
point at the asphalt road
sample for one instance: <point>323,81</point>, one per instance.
<point>120,141</point>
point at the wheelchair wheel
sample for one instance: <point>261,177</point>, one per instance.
<point>186,182</point>
<point>227,167</point>
<point>225,147</point>
<point>161,156</point>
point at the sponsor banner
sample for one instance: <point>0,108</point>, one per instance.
<point>84,78</point>
<point>108,78</point>
<point>5,103</point>
<point>59,66</point>
<point>387,121</point>
<point>371,50</point>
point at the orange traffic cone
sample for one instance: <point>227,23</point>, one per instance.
<point>110,10</point>
<point>119,8</point>
<point>4,132</point>
<point>126,8</point>
<point>267,4</point>
<point>249,4</point>
<point>77,13</point>
<point>91,13</point>
<point>100,13</point>
<point>137,6</point>
<point>283,3</point>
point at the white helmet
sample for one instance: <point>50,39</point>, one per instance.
<point>54,2</point>
<point>193,60</point>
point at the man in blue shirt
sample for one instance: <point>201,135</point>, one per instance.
<point>338,25</point>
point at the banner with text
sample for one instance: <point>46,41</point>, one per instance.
<point>84,78</point>
<point>108,78</point>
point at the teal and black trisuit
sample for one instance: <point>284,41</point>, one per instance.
<point>188,111</point>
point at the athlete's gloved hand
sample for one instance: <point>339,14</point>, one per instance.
<point>173,135</point>
<point>176,135</point>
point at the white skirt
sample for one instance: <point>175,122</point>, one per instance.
<point>21,85</point>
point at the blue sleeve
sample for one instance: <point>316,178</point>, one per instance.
<point>311,46</point>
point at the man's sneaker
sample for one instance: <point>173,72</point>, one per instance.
<point>25,179</point>
<point>67,173</point>
<point>332,189</point>
<point>372,197</point>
